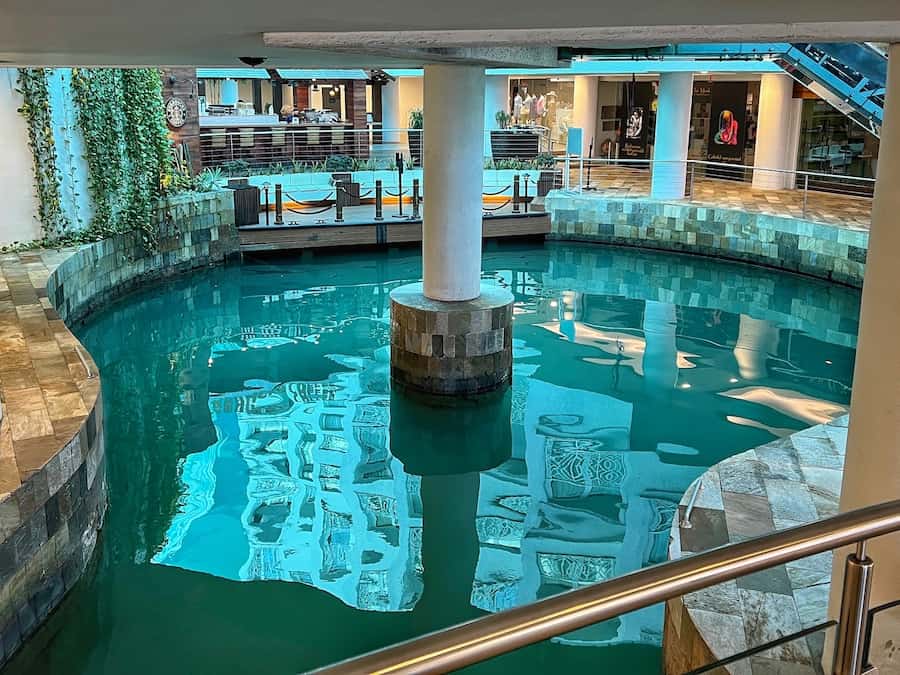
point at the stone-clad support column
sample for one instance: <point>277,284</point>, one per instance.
<point>872,465</point>
<point>450,334</point>
<point>673,125</point>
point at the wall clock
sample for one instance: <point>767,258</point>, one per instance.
<point>176,113</point>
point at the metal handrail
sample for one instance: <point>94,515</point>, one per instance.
<point>643,163</point>
<point>484,638</point>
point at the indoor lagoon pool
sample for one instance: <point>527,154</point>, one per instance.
<point>275,507</point>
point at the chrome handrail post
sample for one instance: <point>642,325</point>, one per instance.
<point>693,166</point>
<point>805,193</point>
<point>852,629</point>
<point>568,165</point>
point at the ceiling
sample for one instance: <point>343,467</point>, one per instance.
<point>404,33</point>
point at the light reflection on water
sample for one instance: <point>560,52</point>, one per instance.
<point>275,506</point>
<point>304,483</point>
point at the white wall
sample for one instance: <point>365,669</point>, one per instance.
<point>20,220</point>
<point>75,196</point>
<point>410,91</point>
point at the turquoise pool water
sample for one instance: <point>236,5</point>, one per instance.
<point>274,506</point>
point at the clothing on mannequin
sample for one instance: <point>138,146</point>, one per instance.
<point>527,106</point>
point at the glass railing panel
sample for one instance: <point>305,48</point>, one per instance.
<point>883,644</point>
<point>806,652</point>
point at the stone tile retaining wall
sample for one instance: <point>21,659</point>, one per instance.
<point>196,230</point>
<point>785,483</point>
<point>832,252</point>
<point>52,466</point>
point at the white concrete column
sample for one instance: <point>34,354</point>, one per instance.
<point>20,203</point>
<point>584,112</point>
<point>756,340</point>
<point>496,98</point>
<point>872,466</point>
<point>773,128</point>
<point>673,128</point>
<point>390,111</point>
<point>660,361</point>
<point>453,167</point>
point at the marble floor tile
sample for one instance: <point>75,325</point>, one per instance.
<point>791,500</point>
<point>769,617</point>
<point>747,515</point>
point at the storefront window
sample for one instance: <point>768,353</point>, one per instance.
<point>546,102</point>
<point>831,143</point>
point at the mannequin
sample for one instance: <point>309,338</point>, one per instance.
<point>528,106</point>
<point>540,108</point>
<point>517,105</point>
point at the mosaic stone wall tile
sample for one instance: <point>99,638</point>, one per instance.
<point>833,250</point>
<point>52,466</point>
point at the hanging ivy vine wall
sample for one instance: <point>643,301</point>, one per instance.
<point>120,113</point>
<point>32,84</point>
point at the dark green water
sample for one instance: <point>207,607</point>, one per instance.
<point>275,507</point>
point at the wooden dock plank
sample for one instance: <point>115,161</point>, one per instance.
<point>384,233</point>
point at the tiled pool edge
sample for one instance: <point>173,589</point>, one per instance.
<point>785,483</point>
<point>832,252</point>
<point>50,521</point>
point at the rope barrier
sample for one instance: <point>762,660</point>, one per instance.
<point>496,208</point>
<point>316,202</point>
<point>494,194</point>
<point>308,213</point>
<point>395,194</point>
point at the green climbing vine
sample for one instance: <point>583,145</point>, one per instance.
<point>98,95</point>
<point>120,113</point>
<point>147,146</point>
<point>32,84</point>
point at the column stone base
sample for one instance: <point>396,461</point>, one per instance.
<point>451,348</point>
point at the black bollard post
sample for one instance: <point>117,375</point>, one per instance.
<point>339,202</point>
<point>279,206</point>
<point>379,213</point>
<point>515,199</point>
<point>415,199</point>
<point>399,160</point>
<point>525,201</point>
<point>267,204</point>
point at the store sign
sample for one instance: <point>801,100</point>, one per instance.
<point>639,102</point>
<point>727,122</point>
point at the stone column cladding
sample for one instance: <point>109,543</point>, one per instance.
<point>52,456</point>
<point>584,111</point>
<point>451,348</point>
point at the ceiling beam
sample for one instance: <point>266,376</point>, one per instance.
<point>423,41</point>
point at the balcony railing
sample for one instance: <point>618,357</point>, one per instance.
<point>293,148</point>
<point>470,643</point>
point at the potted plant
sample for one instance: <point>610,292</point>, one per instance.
<point>503,119</point>
<point>414,135</point>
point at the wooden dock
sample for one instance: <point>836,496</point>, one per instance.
<point>383,233</point>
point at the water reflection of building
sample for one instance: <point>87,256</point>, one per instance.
<point>321,500</point>
<point>301,485</point>
<point>574,506</point>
